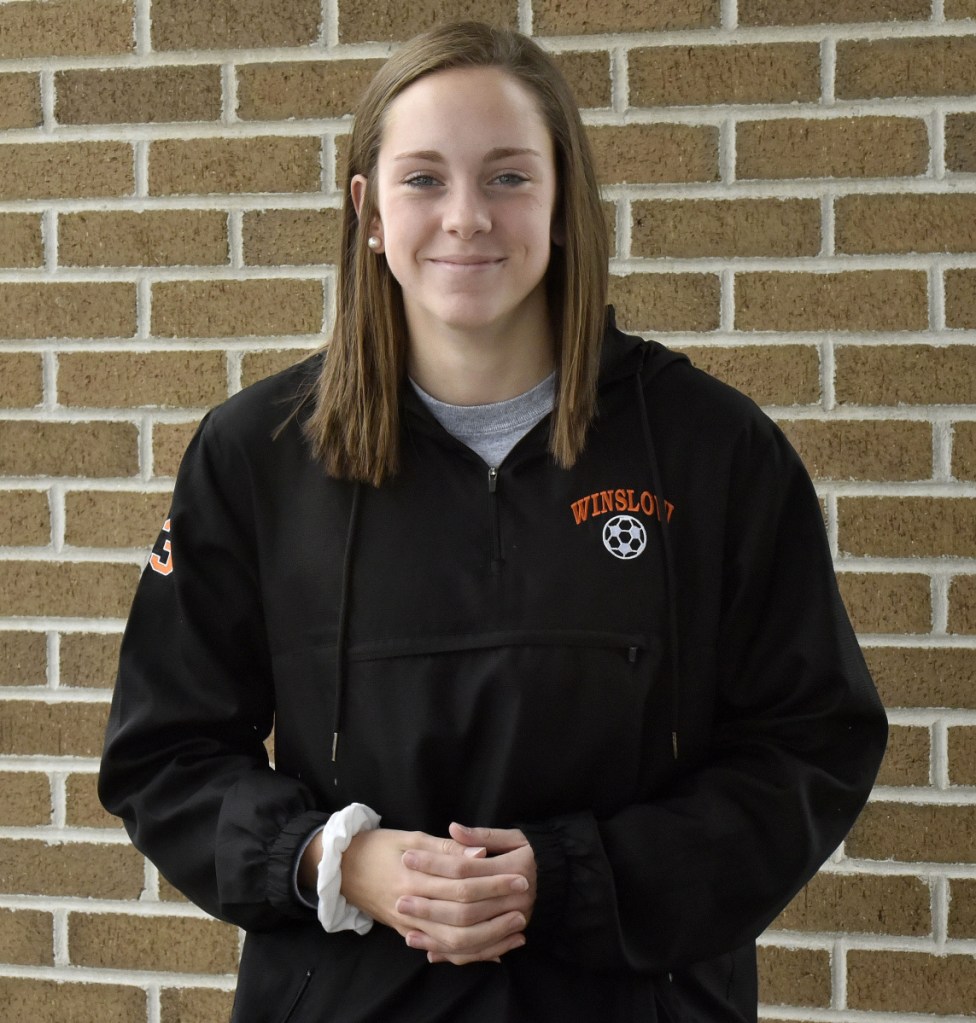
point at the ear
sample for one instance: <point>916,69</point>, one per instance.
<point>357,191</point>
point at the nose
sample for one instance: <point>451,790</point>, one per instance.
<point>466,212</point>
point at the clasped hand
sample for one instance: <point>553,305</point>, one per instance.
<point>462,899</point>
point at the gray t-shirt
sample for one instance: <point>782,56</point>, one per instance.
<point>493,430</point>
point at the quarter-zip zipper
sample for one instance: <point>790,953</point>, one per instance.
<point>493,527</point>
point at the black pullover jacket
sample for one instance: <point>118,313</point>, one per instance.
<point>642,661</point>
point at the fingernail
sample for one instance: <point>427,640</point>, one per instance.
<point>413,941</point>
<point>519,884</point>
<point>405,906</point>
<point>409,859</point>
<point>474,850</point>
<point>464,828</point>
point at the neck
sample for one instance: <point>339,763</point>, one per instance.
<point>464,367</point>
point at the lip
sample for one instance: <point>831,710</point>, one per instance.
<point>466,262</point>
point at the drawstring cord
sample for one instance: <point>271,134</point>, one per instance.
<point>343,624</point>
<point>670,579</point>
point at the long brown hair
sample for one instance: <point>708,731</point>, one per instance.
<point>354,427</point>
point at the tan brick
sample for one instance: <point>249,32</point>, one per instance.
<point>31,728</point>
<point>194,1005</point>
<point>860,905</point>
<point>960,9</point>
<point>855,300</point>
<point>21,93</point>
<point>23,658</point>
<point>150,238</point>
<point>96,518</point>
<point>60,28</point>
<point>66,170</point>
<point>842,147</point>
<point>256,366</point>
<point>875,224</point>
<point>45,1001</point>
<point>693,75</point>
<point>84,870</point>
<point>239,24</point>
<point>236,308</point>
<point>291,237</point>
<point>962,755</point>
<point>911,982</point>
<point>68,449</point>
<point>209,166</point>
<point>935,66</point>
<point>587,17</point>
<point>769,374</point>
<point>907,757</point>
<point>960,142</point>
<point>651,153</point>
<point>138,95</point>
<point>20,238</point>
<point>964,451</point>
<point>25,800</point>
<point>920,677</point>
<point>905,374</point>
<point>962,908</point>
<point>131,379</point>
<point>692,228</point>
<point>69,589</point>
<point>914,833</point>
<point>962,605</point>
<point>83,807</point>
<point>814,12</point>
<point>907,527</point>
<point>387,19</point>
<point>167,893</point>
<point>960,300</point>
<point>887,602</point>
<point>89,659</point>
<point>169,442</point>
<point>21,380</point>
<point>588,74</point>
<point>322,88</point>
<point>849,449</point>
<point>184,945</point>
<point>794,976</point>
<point>666,301</point>
<point>67,310</point>
<point>26,937</point>
<point>25,519</point>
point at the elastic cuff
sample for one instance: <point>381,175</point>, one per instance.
<point>282,856</point>
<point>552,877</point>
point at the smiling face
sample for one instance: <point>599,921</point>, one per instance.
<point>465,194</point>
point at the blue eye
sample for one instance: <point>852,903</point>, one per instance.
<point>421,180</point>
<point>510,179</point>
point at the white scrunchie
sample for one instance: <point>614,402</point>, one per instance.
<point>335,914</point>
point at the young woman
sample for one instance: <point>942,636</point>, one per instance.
<point>566,705</point>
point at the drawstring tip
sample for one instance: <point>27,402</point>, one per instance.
<point>674,744</point>
<point>335,746</point>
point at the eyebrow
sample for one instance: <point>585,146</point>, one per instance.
<point>500,153</point>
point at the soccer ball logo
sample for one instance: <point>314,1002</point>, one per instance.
<point>624,537</point>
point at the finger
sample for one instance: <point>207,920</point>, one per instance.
<point>474,940</point>
<point>493,839</point>
<point>441,865</point>
<point>445,846</point>
<point>463,891</point>
<point>459,914</point>
<point>491,955</point>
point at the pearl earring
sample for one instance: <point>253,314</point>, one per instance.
<point>373,242</point>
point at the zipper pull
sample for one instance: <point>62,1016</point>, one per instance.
<point>492,479</point>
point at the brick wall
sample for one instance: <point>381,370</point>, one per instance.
<point>791,188</point>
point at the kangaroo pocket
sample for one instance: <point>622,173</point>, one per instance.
<point>496,728</point>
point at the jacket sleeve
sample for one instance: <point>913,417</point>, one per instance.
<point>184,763</point>
<point>797,736</point>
